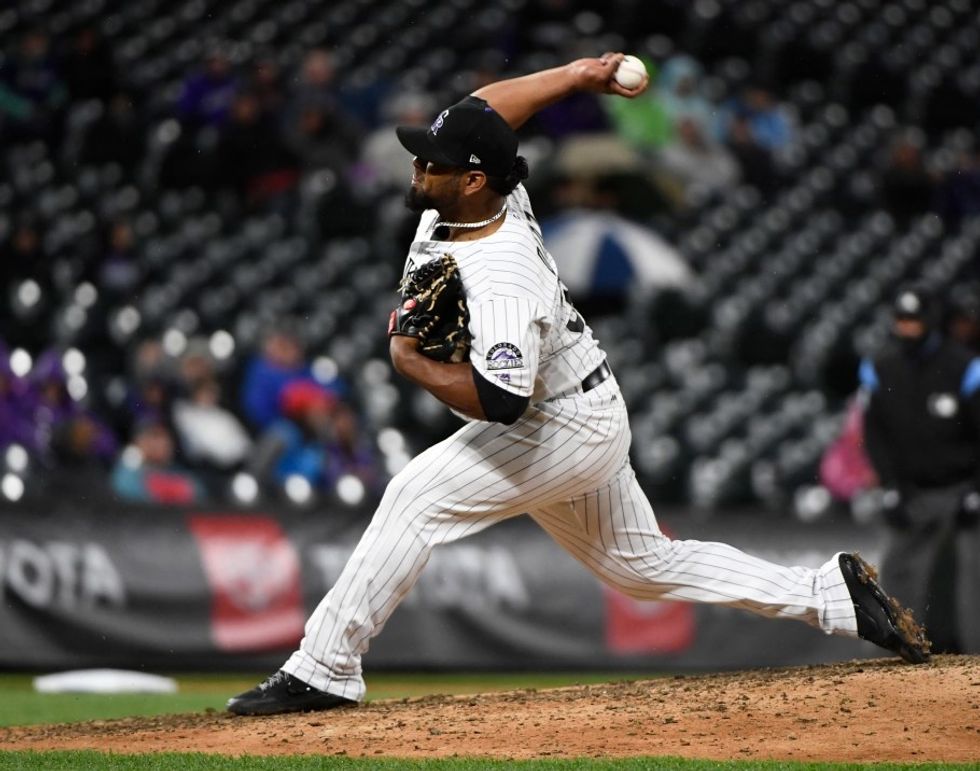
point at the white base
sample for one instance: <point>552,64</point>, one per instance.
<point>104,681</point>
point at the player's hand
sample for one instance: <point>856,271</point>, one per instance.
<point>596,75</point>
<point>407,320</point>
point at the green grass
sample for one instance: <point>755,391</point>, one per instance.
<point>63,761</point>
<point>21,705</point>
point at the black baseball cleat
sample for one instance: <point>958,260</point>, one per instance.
<point>284,693</point>
<point>880,619</point>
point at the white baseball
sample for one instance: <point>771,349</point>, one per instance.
<point>630,72</point>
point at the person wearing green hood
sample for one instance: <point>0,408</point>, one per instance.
<point>644,123</point>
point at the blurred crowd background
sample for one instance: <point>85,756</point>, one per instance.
<point>202,230</point>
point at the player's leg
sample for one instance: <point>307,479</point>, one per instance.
<point>415,515</point>
<point>614,532</point>
<point>482,474</point>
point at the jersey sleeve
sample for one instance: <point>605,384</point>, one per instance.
<point>506,342</point>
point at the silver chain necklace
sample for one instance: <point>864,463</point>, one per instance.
<point>472,225</point>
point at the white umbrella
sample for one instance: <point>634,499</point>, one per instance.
<point>598,251</point>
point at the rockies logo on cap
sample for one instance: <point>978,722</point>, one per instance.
<point>468,135</point>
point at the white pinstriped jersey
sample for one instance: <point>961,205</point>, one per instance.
<point>527,337</point>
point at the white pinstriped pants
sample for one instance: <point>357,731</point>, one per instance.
<point>566,464</point>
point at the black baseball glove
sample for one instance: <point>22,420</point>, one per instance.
<point>433,310</point>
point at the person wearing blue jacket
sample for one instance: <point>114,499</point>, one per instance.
<point>922,435</point>
<point>280,362</point>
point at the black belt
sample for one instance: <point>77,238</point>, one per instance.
<point>596,376</point>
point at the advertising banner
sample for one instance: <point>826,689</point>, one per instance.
<point>113,585</point>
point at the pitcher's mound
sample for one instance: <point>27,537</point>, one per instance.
<point>858,711</point>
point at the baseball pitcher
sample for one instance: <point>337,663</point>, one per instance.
<point>485,325</point>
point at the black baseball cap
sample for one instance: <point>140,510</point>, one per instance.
<point>469,135</point>
<point>915,303</point>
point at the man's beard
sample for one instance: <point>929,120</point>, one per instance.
<point>418,201</point>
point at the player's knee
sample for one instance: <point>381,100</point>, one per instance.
<point>651,554</point>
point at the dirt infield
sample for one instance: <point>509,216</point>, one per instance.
<point>858,711</point>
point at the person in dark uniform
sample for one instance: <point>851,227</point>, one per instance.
<point>922,434</point>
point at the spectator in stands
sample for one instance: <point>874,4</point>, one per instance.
<point>207,94</point>
<point>315,116</point>
<point>146,471</point>
<point>754,160</point>
<point>281,361</point>
<point>209,435</point>
<point>844,466</point>
<point>196,364</point>
<point>81,443</point>
<point>21,253</point>
<point>694,165</point>
<point>378,178</point>
<point>768,122</point>
<point>294,444</point>
<point>63,431</point>
<point>349,451</point>
<point>14,425</point>
<point>118,273</point>
<point>907,188</point>
<point>265,81</point>
<point>251,158</point>
<point>922,432</point>
<point>317,84</point>
<point>320,136</point>
<point>186,160</point>
<point>382,156</point>
<point>580,113</point>
<point>381,171</point>
<point>32,91</point>
<point>963,322</point>
<point>89,68</point>
<point>153,384</point>
<point>643,122</point>
<point>959,190</point>
<point>117,136</point>
<point>316,77</point>
<point>679,91</point>
<point>26,283</point>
